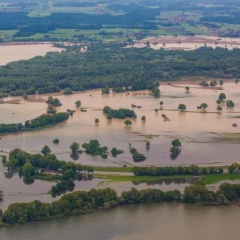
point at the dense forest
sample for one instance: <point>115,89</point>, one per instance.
<point>114,65</point>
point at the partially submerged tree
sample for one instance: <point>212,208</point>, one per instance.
<point>176,148</point>
<point>222,96</point>
<point>128,123</point>
<point>56,141</point>
<point>74,148</point>
<point>97,120</point>
<point>78,103</point>
<point>147,144</point>
<point>182,107</point>
<point>230,103</point>
<point>203,106</point>
<point>219,108</point>
<point>46,150</point>
<point>143,118</point>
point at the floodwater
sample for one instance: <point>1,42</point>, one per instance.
<point>139,222</point>
<point>201,144</point>
<point>203,134</point>
<point>11,53</point>
<point>188,43</point>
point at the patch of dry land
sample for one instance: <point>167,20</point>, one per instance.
<point>188,43</point>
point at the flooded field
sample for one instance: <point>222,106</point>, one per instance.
<point>203,133</point>
<point>207,137</point>
<point>188,43</point>
<point>11,53</point>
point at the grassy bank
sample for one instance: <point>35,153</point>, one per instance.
<point>112,169</point>
<point>118,178</point>
<point>213,178</point>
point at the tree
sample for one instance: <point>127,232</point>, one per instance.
<point>45,150</point>
<point>176,148</point>
<point>176,143</point>
<point>105,90</point>
<point>156,92</point>
<point>127,122</point>
<point>51,110</point>
<point>4,158</point>
<point>182,107</point>
<point>25,96</point>
<point>203,106</point>
<point>1,199</point>
<point>222,96</point>
<point>67,91</point>
<point>78,103</point>
<point>236,80</point>
<point>218,101</point>
<point>147,144</point>
<point>143,118</point>
<point>187,89</point>
<point>156,110</point>
<point>56,141</point>
<point>97,120</point>
<point>161,105</point>
<point>221,82</point>
<point>230,104</point>
<point>114,151</point>
<point>27,170</point>
<point>109,118</point>
<point>219,108</point>
<point>74,148</point>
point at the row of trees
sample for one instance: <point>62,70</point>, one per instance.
<point>179,170</point>
<point>134,68</point>
<point>41,121</point>
<point>81,202</point>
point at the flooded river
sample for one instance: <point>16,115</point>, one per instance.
<point>139,222</point>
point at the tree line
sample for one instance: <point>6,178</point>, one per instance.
<point>81,202</point>
<point>115,66</point>
<point>41,121</point>
<point>179,170</point>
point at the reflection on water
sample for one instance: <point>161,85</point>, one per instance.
<point>194,128</point>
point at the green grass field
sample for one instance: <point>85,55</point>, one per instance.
<point>119,178</point>
<point>213,178</point>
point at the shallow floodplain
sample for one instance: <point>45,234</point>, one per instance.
<point>203,133</point>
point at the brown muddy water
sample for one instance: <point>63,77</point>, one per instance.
<point>11,53</point>
<point>203,134</point>
<point>165,221</point>
<point>188,43</point>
